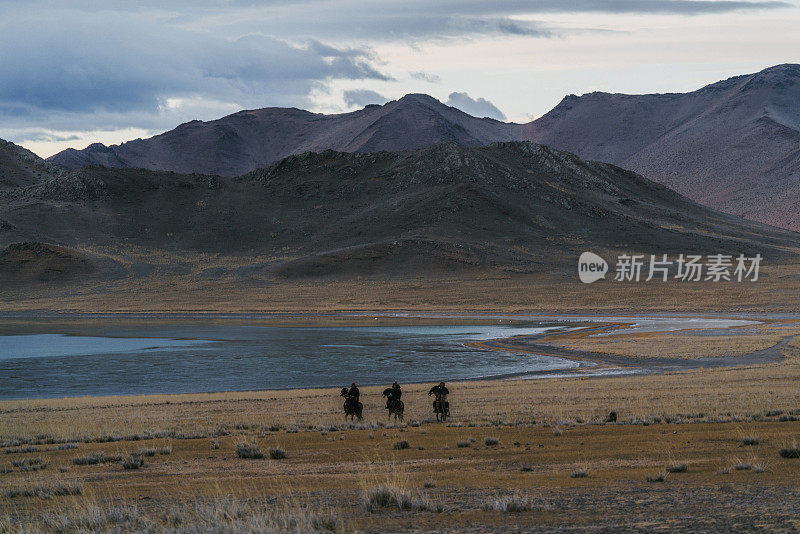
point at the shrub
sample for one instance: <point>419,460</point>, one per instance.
<point>791,451</point>
<point>133,462</point>
<point>393,497</point>
<point>490,442</point>
<point>249,451</point>
<point>95,458</point>
<point>399,445</point>
<point>66,446</point>
<point>740,465</point>
<point>514,504</point>
<point>659,477</point>
<point>277,454</point>
<point>214,445</point>
<point>148,452</point>
<point>43,492</point>
<point>463,444</point>
<point>165,450</point>
<point>579,473</point>
<point>750,440</point>
<point>677,468</point>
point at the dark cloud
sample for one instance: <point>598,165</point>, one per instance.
<point>55,65</point>
<point>363,97</point>
<point>479,107</point>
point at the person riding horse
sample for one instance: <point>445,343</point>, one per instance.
<point>393,402</point>
<point>352,407</point>
<point>440,392</point>
<point>392,394</point>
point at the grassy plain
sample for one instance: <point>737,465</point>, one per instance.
<point>716,437</point>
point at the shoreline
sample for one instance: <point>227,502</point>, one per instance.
<point>587,364</point>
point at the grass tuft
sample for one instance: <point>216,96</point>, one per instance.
<point>399,445</point>
<point>277,454</point>
<point>790,451</point>
<point>677,467</point>
<point>133,462</point>
<point>490,442</point>
<point>658,477</point>
<point>513,504</point>
<point>249,451</point>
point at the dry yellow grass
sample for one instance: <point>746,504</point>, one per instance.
<point>777,290</point>
<point>330,466</point>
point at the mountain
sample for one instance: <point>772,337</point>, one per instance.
<point>514,207</point>
<point>20,167</point>
<point>732,145</point>
<point>248,140</point>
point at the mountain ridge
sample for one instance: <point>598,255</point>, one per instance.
<point>733,145</point>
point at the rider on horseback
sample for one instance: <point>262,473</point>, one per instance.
<point>392,394</point>
<point>352,395</point>
<point>440,390</point>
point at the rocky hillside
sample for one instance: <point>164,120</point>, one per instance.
<point>733,145</point>
<point>514,206</point>
<point>21,167</point>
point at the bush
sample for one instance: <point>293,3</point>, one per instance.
<point>739,465</point>
<point>399,445</point>
<point>277,454</point>
<point>792,451</point>
<point>43,492</point>
<point>148,452</point>
<point>514,504</point>
<point>490,442</point>
<point>579,473</point>
<point>383,497</point>
<point>660,477</point>
<point>677,468</point>
<point>132,462</point>
<point>249,451</point>
<point>463,444</point>
<point>750,440</point>
<point>95,458</point>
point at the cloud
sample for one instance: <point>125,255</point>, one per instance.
<point>425,77</point>
<point>479,107</point>
<point>363,97</point>
<point>121,70</point>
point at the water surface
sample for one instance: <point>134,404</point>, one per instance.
<point>111,358</point>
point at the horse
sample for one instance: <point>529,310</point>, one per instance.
<point>394,405</point>
<point>352,407</point>
<point>440,408</point>
<point>396,408</point>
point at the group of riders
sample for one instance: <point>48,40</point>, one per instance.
<point>353,407</point>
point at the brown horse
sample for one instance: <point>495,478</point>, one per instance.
<point>352,407</point>
<point>441,408</point>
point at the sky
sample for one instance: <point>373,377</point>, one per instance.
<point>78,72</point>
